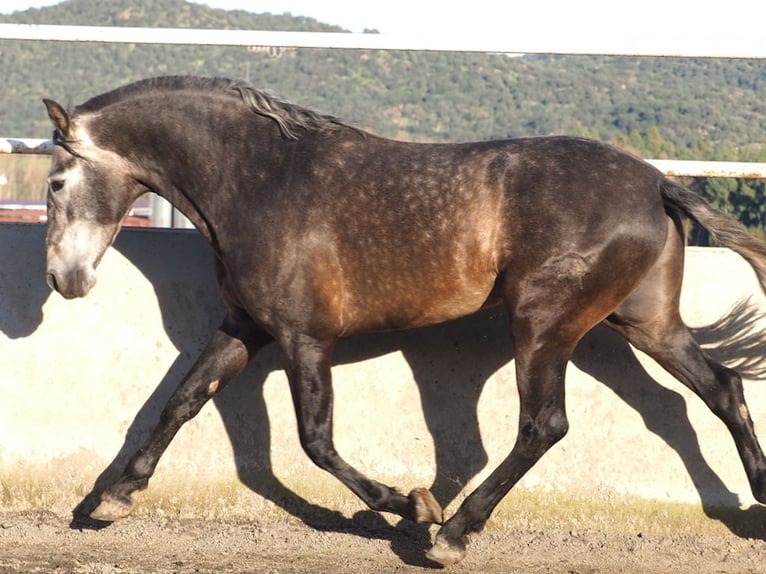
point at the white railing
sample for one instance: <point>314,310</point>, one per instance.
<point>684,44</point>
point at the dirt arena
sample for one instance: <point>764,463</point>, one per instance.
<point>41,541</point>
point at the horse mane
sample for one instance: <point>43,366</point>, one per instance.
<point>290,118</point>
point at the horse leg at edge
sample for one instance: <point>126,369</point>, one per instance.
<point>542,423</point>
<point>668,341</point>
<point>307,363</point>
<point>226,355</point>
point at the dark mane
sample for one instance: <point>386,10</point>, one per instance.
<point>290,118</point>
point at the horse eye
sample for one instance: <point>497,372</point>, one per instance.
<point>56,185</point>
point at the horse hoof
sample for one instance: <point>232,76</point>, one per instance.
<point>113,508</point>
<point>445,552</point>
<point>425,509</point>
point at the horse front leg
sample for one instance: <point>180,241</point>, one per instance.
<point>307,363</point>
<point>226,355</point>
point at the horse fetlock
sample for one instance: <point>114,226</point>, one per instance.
<point>447,551</point>
<point>113,507</point>
<point>424,507</point>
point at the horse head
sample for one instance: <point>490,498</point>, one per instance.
<point>90,191</point>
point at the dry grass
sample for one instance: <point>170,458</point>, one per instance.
<point>326,499</point>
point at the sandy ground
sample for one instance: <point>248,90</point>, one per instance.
<point>40,541</point>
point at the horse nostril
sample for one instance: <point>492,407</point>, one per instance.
<point>51,281</point>
<point>85,282</point>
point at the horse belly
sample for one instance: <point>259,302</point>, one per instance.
<point>405,302</point>
<point>413,278</point>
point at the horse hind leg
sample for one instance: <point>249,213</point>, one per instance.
<point>540,368</point>
<point>651,321</point>
<point>668,341</point>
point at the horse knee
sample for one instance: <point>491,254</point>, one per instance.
<point>556,427</point>
<point>544,430</point>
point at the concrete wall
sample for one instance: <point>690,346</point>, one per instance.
<point>81,381</point>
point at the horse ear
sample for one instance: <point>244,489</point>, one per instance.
<point>58,116</point>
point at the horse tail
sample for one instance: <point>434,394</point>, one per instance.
<point>723,228</point>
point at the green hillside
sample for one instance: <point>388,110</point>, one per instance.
<point>693,104</point>
<point>679,108</point>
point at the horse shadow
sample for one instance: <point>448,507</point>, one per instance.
<point>22,279</point>
<point>435,355</point>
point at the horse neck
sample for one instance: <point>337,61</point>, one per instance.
<point>190,166</point>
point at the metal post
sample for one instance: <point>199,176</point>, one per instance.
<point>162,212</point>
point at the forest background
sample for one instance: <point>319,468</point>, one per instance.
<point>703,109</point>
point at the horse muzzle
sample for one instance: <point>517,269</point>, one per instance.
<point>71,284</point>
